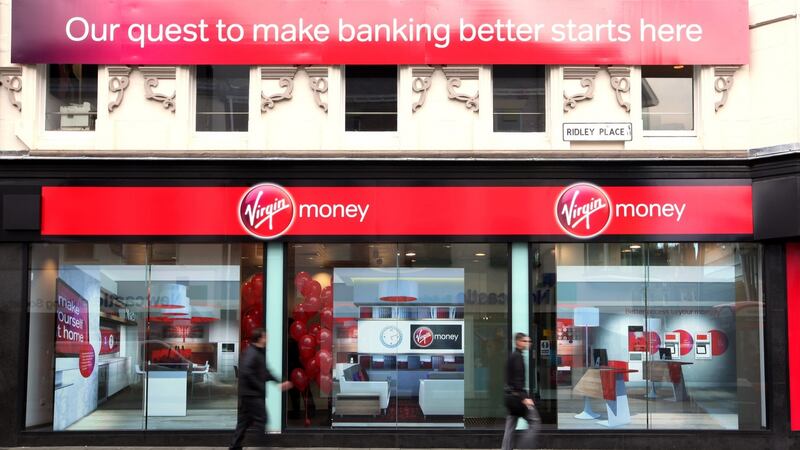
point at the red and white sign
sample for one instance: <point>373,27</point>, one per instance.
<point>259,32</point>
<point>86,360</point>
<point>109,340</point>
<point>72,320</point>
<point>685,210</point>
<point>423,337</point>
<point>266,211</point>
<point>583,210</point>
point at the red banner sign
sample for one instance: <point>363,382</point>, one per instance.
<point>109,340</point>
<point>249,32</point>
<point>72,321</point>
<point>395,211</point>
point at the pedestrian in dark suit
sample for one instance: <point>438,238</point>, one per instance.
<point>253,374</point>
<point>517,400</point>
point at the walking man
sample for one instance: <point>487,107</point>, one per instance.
<point>253,374</point>
<point>517,400</point>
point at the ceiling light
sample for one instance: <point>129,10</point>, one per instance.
<point>411,254</point>
<point>678,67</point>
<point>636,246</point>
<point>480,254</point>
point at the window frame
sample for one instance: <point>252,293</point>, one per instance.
<point>212,134</point>
<point>387,134</point>
<point>694,132</point>
<point>546,87</point>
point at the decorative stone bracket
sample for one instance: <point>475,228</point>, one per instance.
<point>621,83</point>
<point>152,75</point>
<point>421,84</point>
<point>118,81</point>
<point>587,75</point>
<point>454,75</point>
<point>318,80</point>
<point>723,81</point>
<point>285,76</point>
<point>11,79</point>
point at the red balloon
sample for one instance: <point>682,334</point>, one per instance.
<point>312,288</point>
<point>325,361</point>
<point>326,296</point>
<point>299,379</point>
<point>314,330</point>
<point>247,289</point>
<point>307,341</point>
<point>297,330</point>
<point>326,318</point>
<point>300,313</point>
<point>313,304</point>
<point>312,367</point>
<point>300,280</point>
<point>325,383</point>
<point>257,281</point>
<point>251,319</point>
<point>325,339</point>
<point>307,353</point>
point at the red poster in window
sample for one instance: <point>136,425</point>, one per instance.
<point>109,340</point>
<point>72,320</point>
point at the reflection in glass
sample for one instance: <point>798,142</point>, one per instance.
<point>410,334</point>
<point>223,94</point>
<point>71,103</point>
<point>371,98</point>
<point>519,96</point>
<point>676,327</point>
<point>136,336</point>
<point>668,97</point>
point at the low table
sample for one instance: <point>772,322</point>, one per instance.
<point>357,404</point>
<point>667,371</point>
<point>607,383</point>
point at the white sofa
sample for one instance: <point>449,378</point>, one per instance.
<point>441,397</point>
<point>379,388</point>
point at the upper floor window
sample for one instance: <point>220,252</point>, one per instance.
<point>370,98</point>
<point>668,98</point>
<point>71,97</point>
<point>519,104</point>
<point>223,94</point>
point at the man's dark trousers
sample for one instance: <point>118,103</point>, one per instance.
<point>252,411</point>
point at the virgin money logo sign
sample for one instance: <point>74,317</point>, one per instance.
<point>267,211</point>
<point>439,337</point>
<point>423,337</point>
<point>583,210</point>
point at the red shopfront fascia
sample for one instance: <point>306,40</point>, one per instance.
<point>288,32</point>
<point>722,211</point>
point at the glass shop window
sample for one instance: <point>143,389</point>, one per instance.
<point>222,98</point>
<point>139,336</point>
<point>71,103</point>
<point>649,335</point>
<point>668,98</point>
<point>388,335</point>
<point>519,98</point>
<point>371,98</point>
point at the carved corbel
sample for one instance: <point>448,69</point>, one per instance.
<point>455,75</point>
<point>723,81</point>
<point>318,80</point>
<point>152,75</point>
<point>587,75</point>
<point>621,83</point>
<point>118,81</point>
<point>285,76</point>
<point>11,79</point>
<point>421,84</point>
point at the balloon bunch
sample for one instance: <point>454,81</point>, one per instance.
<point>313,322</point>
<point>252,307</point>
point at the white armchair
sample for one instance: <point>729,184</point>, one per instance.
<point>379,388</point>
<point>441,397</point>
